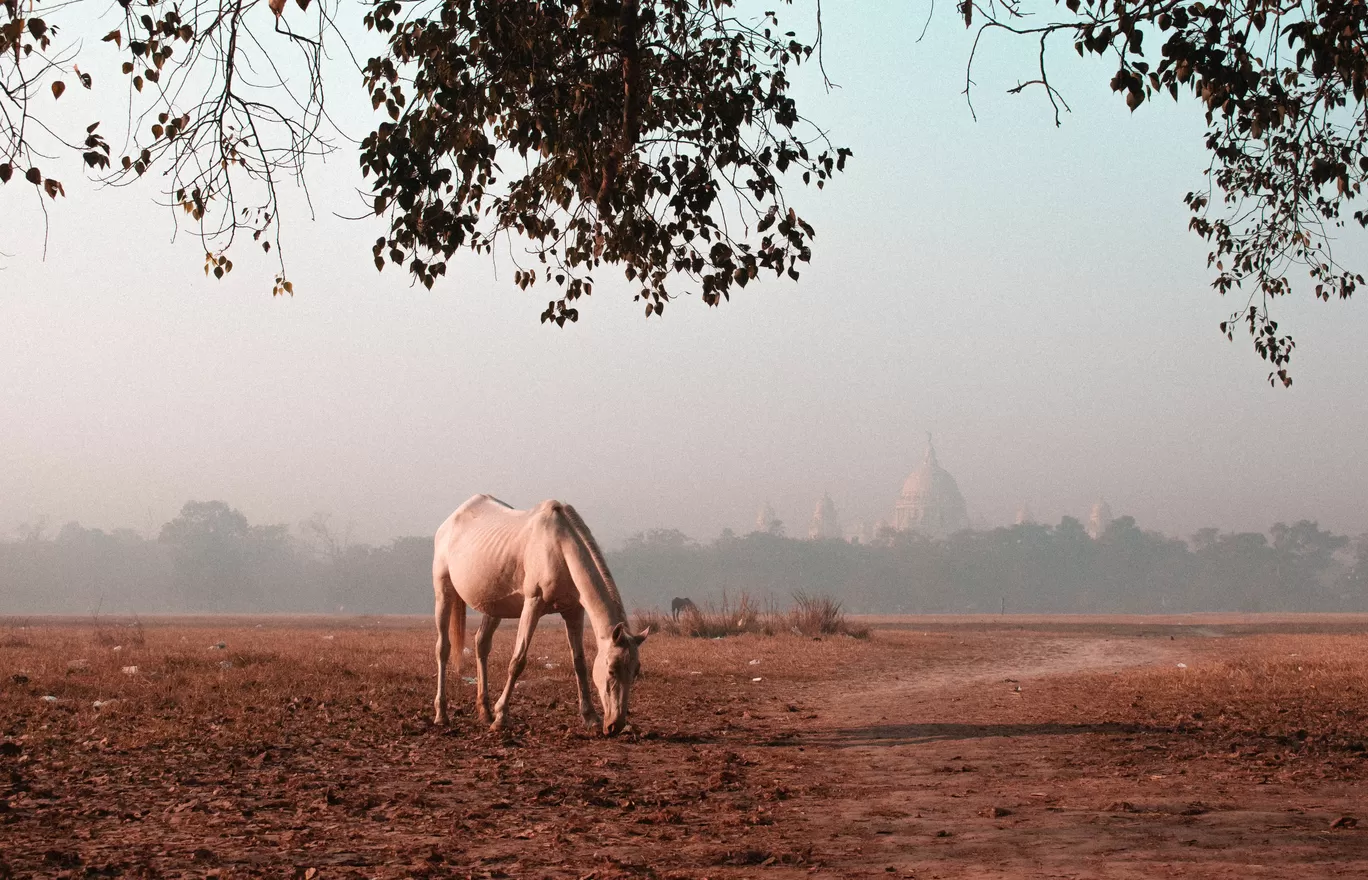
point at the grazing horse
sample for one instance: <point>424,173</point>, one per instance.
<point>524,564</point>
<point>679,606</point>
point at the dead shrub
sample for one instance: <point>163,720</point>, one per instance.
<point>657,621</point>
<point>716,621</point>
<point>815,615</point>
<point>109,633</point>
<point>811,615</point>
<point>821,615</point>
<point>134,634</point>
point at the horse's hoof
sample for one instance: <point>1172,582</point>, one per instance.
<point>441,720</point>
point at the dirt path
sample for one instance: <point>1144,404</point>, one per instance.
<point>1026,661</point>
<point>930,777</point>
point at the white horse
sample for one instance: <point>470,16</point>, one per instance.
<point>523,564</point>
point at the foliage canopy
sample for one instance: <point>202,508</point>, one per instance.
<point>1283,86</point>
<point>659,137</point>
<point>652,136</point>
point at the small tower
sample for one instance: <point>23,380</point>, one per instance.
<point>1099,519</point>
<point>825,523</point>
<point>1024,516</point>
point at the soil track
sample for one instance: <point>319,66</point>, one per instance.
<point>1043,749</point>
<point>925,791</point>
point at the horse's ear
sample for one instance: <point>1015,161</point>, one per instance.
<point>641,636</point>
<point>619,634</point>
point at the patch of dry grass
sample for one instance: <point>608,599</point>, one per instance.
<point>174,682</point>
<point>1306,693</point>
<point>820,615</point>
<point>16,634</point>
<point>303,740</point>
<point>293,740</point>
<point>812,615</point>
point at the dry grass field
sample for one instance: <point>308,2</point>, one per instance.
<point>935,748</point>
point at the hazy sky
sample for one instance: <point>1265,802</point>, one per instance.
<point>1029,294</point>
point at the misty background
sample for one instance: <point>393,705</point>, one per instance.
<point>1029,293</point>
<point>211,558</point>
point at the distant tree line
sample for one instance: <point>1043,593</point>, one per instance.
<point>1024,568</point>
<point>211,559</point>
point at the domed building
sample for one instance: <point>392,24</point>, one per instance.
<point>1099,519</point>
<point>825,523</point>
<point>930,502</point>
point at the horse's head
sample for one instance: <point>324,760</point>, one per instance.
<point>615,669</point>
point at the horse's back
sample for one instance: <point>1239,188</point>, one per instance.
<point>487,549</point>
<point>475,507</point>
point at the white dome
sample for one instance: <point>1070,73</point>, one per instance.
<point>931,501</point>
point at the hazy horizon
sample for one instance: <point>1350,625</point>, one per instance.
<point>795,523</point>
<point>1029,295</point>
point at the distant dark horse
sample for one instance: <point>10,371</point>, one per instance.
<point>679,606</point>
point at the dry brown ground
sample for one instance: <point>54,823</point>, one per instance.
<point>940,748</point>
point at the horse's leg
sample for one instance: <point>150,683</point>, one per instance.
<point>441,586</point>
<point>527,624</point>
<point>484,637</point>
<point>574,633</point>
<point>457,637</point>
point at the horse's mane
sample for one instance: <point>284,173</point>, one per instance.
<point>594,553</point>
